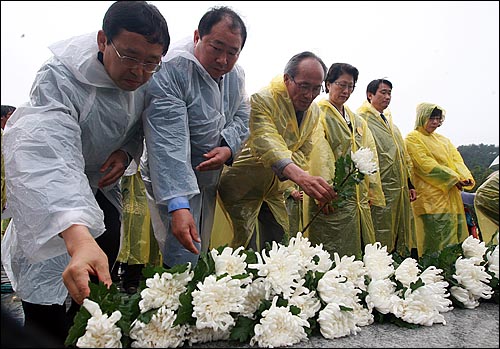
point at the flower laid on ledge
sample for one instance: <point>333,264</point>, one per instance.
<point>349,171</point>
<point>286,294</point>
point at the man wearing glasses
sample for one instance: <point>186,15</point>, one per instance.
<point>276,155</point>
<point>195,122</point>
<point>66,150</point>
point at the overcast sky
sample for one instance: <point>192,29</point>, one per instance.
<point>440,52</point>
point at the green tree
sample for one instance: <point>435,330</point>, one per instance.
<point>478,159</point>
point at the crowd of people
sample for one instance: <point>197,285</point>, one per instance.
<point>198,151</point>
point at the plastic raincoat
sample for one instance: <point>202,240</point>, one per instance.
<point>486,206</point>
<point>437,168</point>
<point>348,228</point>
<point>274,135</point>
<point>54,146</point>
<point>139,245</point>
<point>394,226</point>
<point>189,114</point>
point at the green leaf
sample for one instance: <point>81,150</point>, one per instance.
<point>78,328</point>
<point>243,329</point>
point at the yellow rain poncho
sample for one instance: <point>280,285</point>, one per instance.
<point>348,228</point>
<point>486,206</point>
<point>394,222</point>
<point>139,245</point>
<point>437,168</point>
<point>274,135</point>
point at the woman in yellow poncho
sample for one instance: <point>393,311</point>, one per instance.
<point>348,229</point>
<point>439,176</point>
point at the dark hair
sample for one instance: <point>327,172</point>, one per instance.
<point>293,64</point>
<point>137,17</point>
<point>6,109</point>
<point>436,112</point>
<point>374,84</point>
<point>337,69</point>
<point>217,14</point>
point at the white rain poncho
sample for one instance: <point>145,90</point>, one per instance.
<point>350,227</point>
<point>54,146</point>
<point>189,114</point>
<point>437,168</point>
<point>275,135</point>
<point>392,222</point>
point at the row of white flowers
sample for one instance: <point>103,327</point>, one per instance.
<point>288,291</point>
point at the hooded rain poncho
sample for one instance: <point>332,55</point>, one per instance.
<point>437,168</point>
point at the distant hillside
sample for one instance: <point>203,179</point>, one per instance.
<point>478,159</point>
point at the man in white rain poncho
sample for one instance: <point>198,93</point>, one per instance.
<point>393,222</point>
<point>439,175</point>
<point>65,152</point>
<point>195,122</point>
<point>282,120</point>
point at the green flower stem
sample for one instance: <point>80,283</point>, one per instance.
<point>326,203</point>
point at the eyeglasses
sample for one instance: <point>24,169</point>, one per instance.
<point>130,62</point>
<point>343,86</point>
<point>305,88</point>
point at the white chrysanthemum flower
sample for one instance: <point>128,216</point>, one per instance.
<point>101,331</point>
<point>301,247</point>
<point>336,323</point>
<point>159,332</point>
<point>214,301</point>
<point>365,161</point>
<point>493,261</point>
<point>382,297</point>
<point>474,249</point>
<point>229,262</point>
<point>419,307</point>
<point>164,290</point>
<point>362,315</point>
<point>354,271</point>
<point>333,288</point>
<point>473,277</point>
<point>205,335</point>
<point>279,328</point>
<point>432,275</point>
<point>407,272</point>
<point>256,292</point>
<point>280,269</point>
<point>306,301</point>
<point>378,262</point>
<point>464,297</point>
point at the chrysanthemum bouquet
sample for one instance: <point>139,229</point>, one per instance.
<point>284,295</point>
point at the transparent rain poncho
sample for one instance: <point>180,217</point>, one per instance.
<point>274,135</point>
<point>392,222</point>
<point>188,114</point>
<point>486,206</point>
<point>350,227</point>
<point>54,146</point>
<point>437,168</point>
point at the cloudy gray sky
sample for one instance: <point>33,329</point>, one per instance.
<point>441,52</point>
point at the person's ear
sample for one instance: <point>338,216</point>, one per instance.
<point>101,40</point>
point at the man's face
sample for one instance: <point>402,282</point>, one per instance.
<point>382,98</point>
<point>305,86</point>
<point>219,50</point>
<point>129,45</point>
